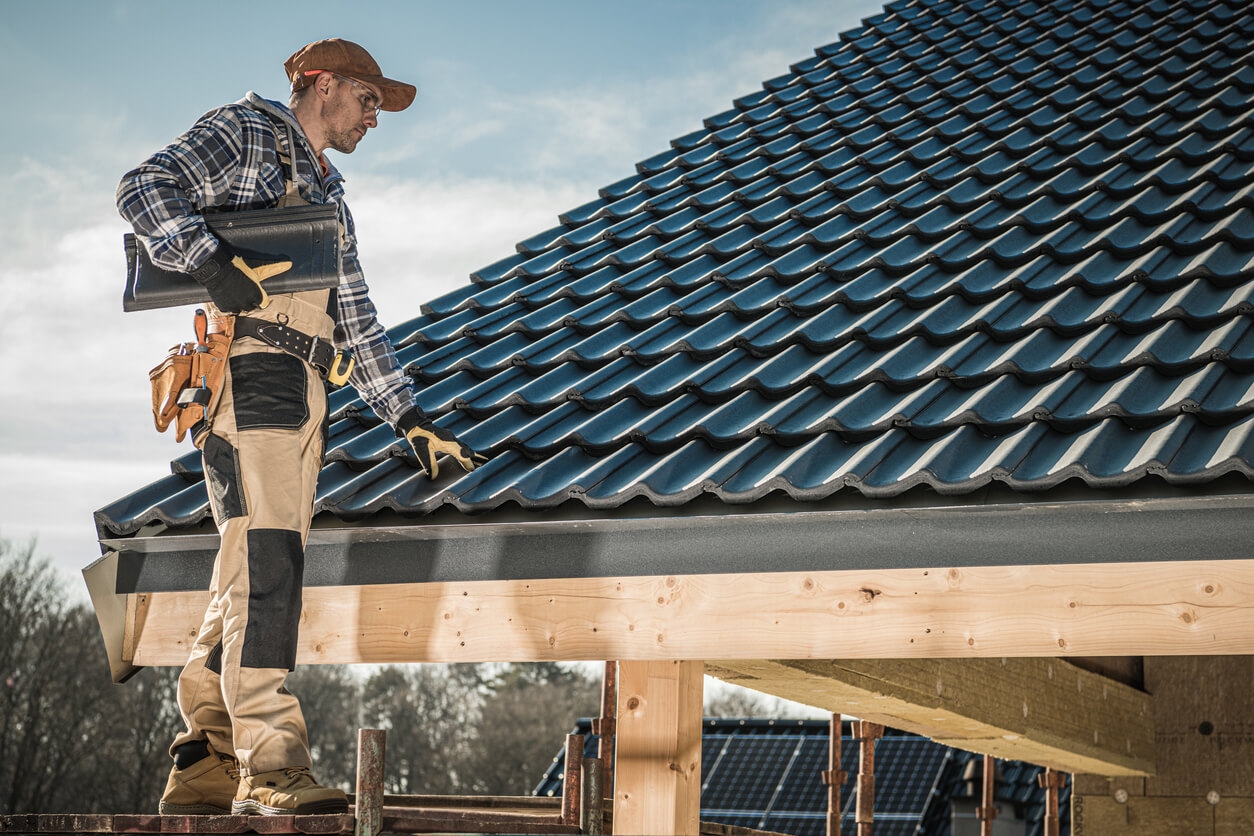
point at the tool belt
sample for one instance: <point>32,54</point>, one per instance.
<point>186,383</point>
<point>335,366</point>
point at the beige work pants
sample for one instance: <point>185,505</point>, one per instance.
<point>262,450</point>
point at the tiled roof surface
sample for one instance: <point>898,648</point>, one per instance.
<point>968,242</point>
<point>766,775</point>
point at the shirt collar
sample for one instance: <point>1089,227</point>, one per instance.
<point>281,111</point>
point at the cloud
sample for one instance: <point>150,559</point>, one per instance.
<point>421,239</point>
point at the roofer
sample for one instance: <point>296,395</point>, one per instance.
<point>262,435</point>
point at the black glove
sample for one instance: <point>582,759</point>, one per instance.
<point>233,286</point>
<point>427,439</point>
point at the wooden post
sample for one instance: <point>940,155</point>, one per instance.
<point>605,727</point>
<point>371,757</point>
<point>987,811</point>
<point>867,733</point>
<point>591,811</point>
<point>657,776</point>
<point>1052,780</point>
<point>834,777</point>
<point>572,773</point>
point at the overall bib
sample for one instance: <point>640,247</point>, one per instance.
<point>262,442</point>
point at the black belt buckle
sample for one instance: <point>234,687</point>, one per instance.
<point>312,357</point>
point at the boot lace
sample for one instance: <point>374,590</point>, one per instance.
<point>297,773</point>
<point>231,765</point>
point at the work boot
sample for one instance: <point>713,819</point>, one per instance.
<point>204,788</point>
<point>286,792</point>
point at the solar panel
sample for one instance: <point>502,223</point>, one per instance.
<point>750,773</point>
<point>803,787</point>
<point>812,824</point>
<point>767,775</point>
<point>906,769</point>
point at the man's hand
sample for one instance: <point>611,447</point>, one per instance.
<point>427,440</point>
<point>233,286</point>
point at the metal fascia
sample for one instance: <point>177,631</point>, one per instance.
<point>1212,527</point>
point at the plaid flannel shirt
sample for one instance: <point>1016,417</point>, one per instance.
<point>229,160</point>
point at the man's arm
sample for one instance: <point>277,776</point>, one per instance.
<point>203,168</point>
<point>377,375</point>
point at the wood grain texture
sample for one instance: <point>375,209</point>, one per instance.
<point>657,770</point>
<point>1177,608</point>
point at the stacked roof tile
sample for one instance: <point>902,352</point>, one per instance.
<point>970,242</point>
<point>767,775</point>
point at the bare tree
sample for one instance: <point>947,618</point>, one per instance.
<point>70,740</point>
<point>330,697</point>
<point>132,754</point>
<point>429,712</point>
<point>733,701</point>
<point>527,711</point>
<point>52,700</point>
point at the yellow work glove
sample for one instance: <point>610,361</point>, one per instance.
<point>260,273</point>
<point>232,285</point>
<point>428,440</point>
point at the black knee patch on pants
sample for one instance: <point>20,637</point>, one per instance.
<point>269,391</point>
<point>276,566</point>
<point>222,478</point>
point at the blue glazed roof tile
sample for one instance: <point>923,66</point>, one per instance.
<point>967,242</point>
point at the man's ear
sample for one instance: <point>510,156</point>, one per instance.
<point>323,84</point>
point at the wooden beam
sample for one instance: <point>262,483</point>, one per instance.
<point>1044,711</point>
<point>657,774</point>
<point>1196,607</point>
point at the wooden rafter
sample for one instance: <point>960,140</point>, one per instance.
<point>1045,711</point>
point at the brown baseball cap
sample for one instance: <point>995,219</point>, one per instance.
<point>349,59</point>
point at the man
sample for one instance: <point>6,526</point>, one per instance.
<point>245,749</point>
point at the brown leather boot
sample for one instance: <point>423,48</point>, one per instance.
<point>206,788</point>
<point>286,792</point>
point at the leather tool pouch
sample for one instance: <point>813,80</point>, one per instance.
<point>208,371</point>
<point>168,378</point>
<point>186,384</point>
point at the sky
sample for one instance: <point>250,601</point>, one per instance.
<point>524,110</point>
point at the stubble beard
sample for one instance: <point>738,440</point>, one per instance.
<point>343,141</point>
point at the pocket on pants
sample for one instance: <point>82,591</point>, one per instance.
<point>270,391</point>
<point>222,478</point>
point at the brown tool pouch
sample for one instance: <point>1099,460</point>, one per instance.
<point>168,378</point>
<point>186,384</point>
<point>208,370</point>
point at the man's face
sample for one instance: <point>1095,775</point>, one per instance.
<point>349,113</point>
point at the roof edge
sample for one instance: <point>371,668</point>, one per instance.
<point>1135,530</point>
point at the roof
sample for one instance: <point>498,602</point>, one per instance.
<point>969,247</point>
<point>766,775</point>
